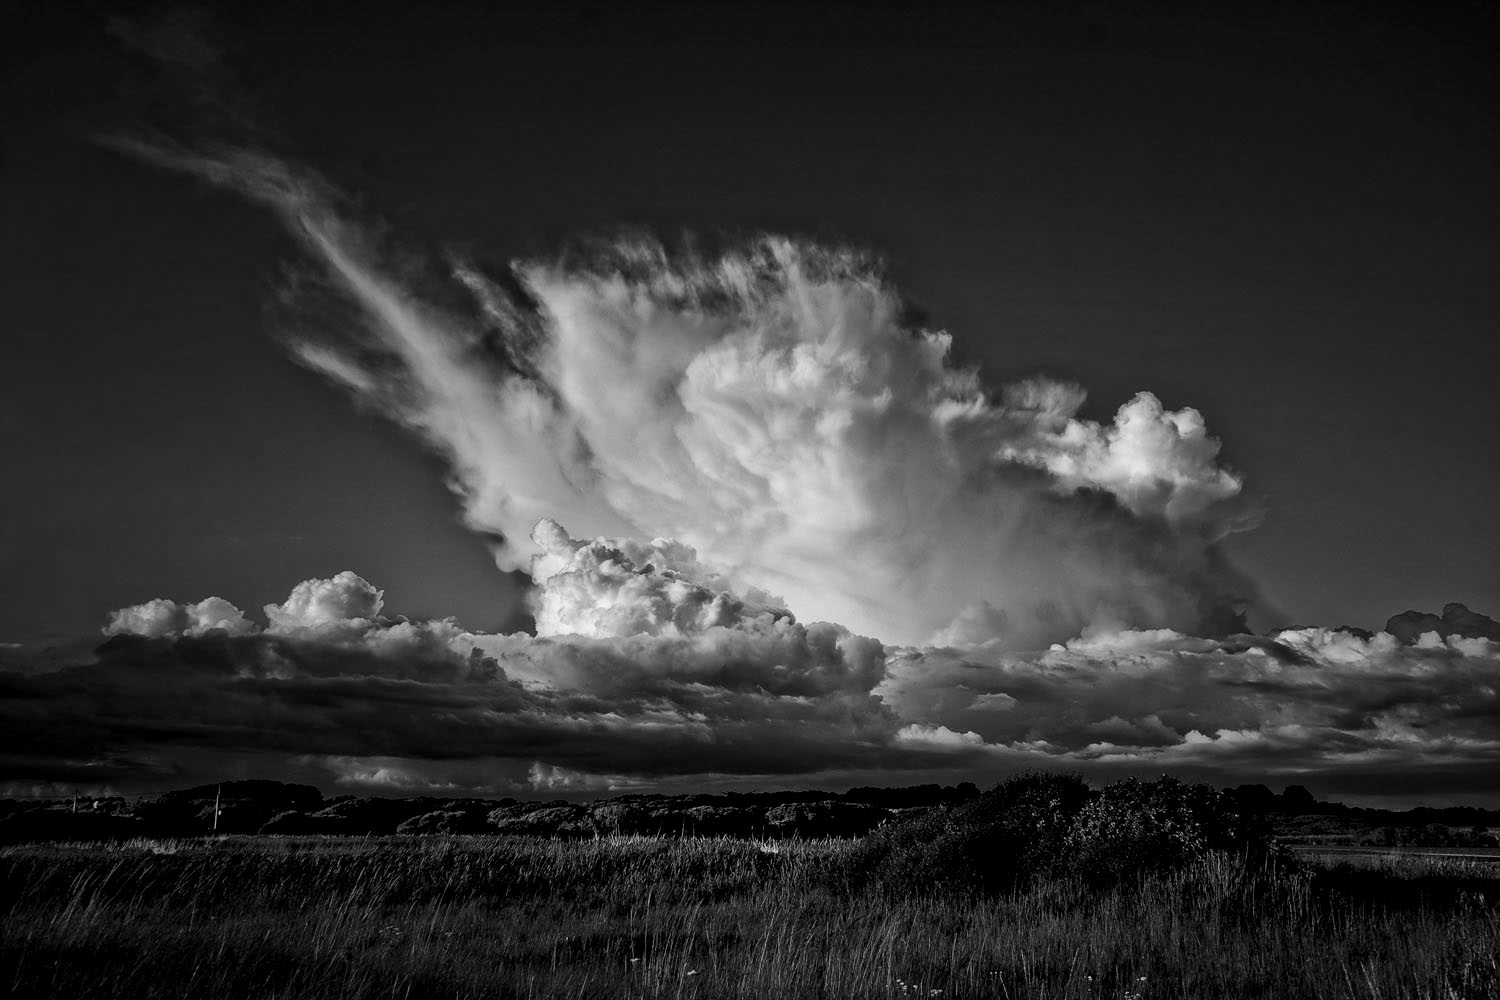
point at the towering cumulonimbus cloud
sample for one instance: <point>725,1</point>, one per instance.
<point>770,407</point>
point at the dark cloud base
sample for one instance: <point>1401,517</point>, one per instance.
<point>390,706</point>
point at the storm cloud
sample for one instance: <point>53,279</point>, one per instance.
<point>646,675</point>
<point>773,533</point>
<point>1300,702</point>
<point>772,406</point>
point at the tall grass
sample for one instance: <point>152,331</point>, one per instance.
<point>641,917</point>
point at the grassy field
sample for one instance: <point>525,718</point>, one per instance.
<point>638,917</point>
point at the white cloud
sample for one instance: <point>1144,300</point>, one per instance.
<point>163,618</point>
<point>313,604</point>
<point>345,602</point>
<point>771,408</point>
<point>921,734</point>
<point>1157,461</point>
<point>383,774</point>
<point>618,587</point>
<point>551,778</point>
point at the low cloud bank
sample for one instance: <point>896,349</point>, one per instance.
<point>1310,702</point>
<point>646,669</point>
<point>675,679</point>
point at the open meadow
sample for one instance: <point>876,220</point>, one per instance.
<point>471,917</point>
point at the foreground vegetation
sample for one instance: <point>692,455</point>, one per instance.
<point>1039,889</point>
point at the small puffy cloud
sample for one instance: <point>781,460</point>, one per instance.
<point>160,618</point>
<point>938,737</point>
<point>154,618</point>
<point>314,604</point>
<point>346,601</point>
<point>1158,462</point>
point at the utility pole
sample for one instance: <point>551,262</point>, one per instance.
<point>218,794</point>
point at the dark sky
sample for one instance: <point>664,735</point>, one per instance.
<point>1286,218</point>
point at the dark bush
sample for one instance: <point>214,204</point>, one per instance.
<point>293,823</point>
<point>848,819</point>
<point>240,816</point>
<point>1296,798</point>
<point>274,795</point>
<point>1131,827</point>
<point>617,819</point>
<point>827,818</point>
<point>1253,798</point>
<point>1001,840</point>
<point>240,806</point>
<point>1040,826</point>
<point>540,820</point>
<point>724,821</point>
<point>287,823</point>
<point>443,821</point>
<point>366,816</point>
<point>791,819</point>
<point>667,820</point>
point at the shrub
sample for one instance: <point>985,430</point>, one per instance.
<point>1040,826</point>
<point>544,821</point>
<point>1001,840</point>
<point>617,819</point>
<point>365,816</point>
<point>667,820</point>
<point>289,822</point>
<point>723,821</point>
<point>1131,827</point>
<point>443,821</point>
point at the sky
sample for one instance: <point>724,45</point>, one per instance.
<point>374,289</point>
